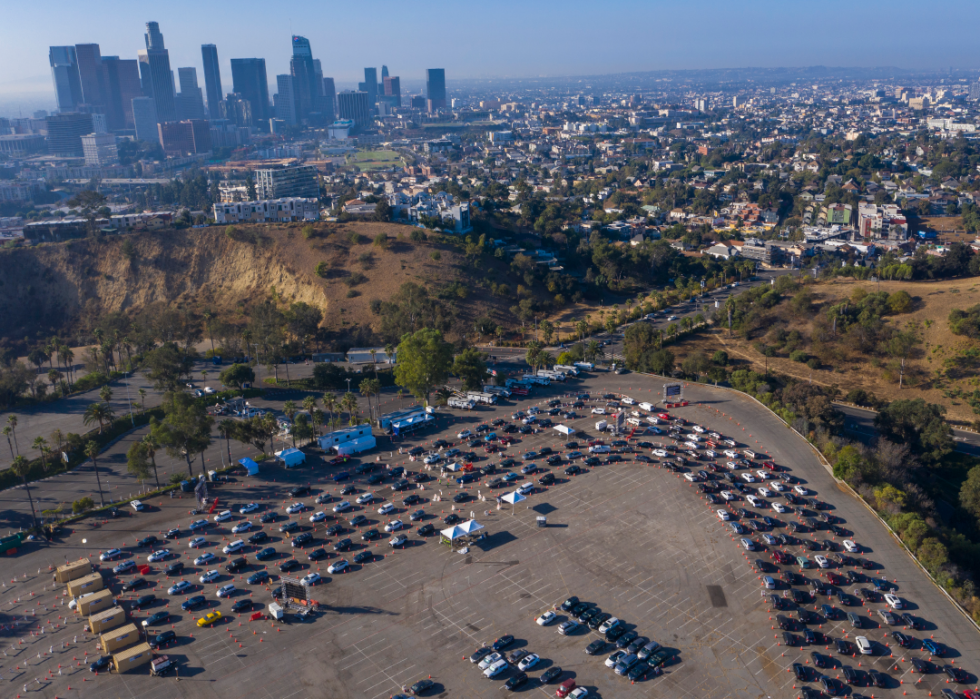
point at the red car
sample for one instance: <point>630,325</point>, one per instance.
<point>663,416</point>
<point>783,557</point>
<point>337,461</point>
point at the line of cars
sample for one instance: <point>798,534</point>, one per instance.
<point>493,661</point>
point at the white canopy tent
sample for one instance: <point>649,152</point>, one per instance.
<point>513,499</point>
<point>458,530</point>
<point>565,430</point>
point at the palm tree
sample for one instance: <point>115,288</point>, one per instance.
<point>41,444</point>
<point>7,432</point>
<point>66,354</point>
<point>208,316</point>
<point>228,428</point>
<point>54,378</point>
<point>374,358</point>
<point>150,447</point>
<point>349,403</point>
<point>583,328</point>
<point>100,412</point>
<point>686,323</point>
<point>58,438</point>
<point>316,417</point>
<point>105,393</point>
<point>20,466</point>
<point>368,388</point>
<point>390,352</point>
<point>289,409</point>
<point>330,405</point>
<point>12,424</point>
<point>92,451</point>
<point>442,395</point>
<point>309,403</point>
<point>142,393</point>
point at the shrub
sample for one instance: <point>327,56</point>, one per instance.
<point>309,232</point>
<point>381,241</point>
<point>230,231</point>
<point>355,238</point>
<point>799,356</point>
<point>813,363</point>
<point>353,293</point>
<point>435,255</point>
<point>176,478</point>
<point>82,505</point>
<point>356,278</point>
<point>417,235</point>
<point>321,269</point>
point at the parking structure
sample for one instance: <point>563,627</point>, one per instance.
<point>636,539</point>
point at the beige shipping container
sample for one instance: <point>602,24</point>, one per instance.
<point>95,603</point>
<point>117,639</point>
<point>88,583</point>
<point>73,570</point>
<point>109,619</point>
<point>133,657</point>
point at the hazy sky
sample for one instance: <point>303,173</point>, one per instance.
<point>504,38</point>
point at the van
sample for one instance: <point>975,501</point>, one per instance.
<point>137,505</point>
<point>635,421</point>
<point>646,406</point>
<point>749,453</point>
<point>496,669</point>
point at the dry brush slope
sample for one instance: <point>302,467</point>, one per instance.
<point>55,286</point>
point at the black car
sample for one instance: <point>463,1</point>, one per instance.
<point>162,639</point>
<point>101,664</point>
<point>242,605</point>
<point>174,568</point>
<point>416,451</point>
<point>194,602</point>
<point>268,517</point>
<point>550,674</point>
<point>502,642</point>
<point>598,620</point>
<point>348,489</point>
<point>573,470</point>
<point>376,479</point>
<point>452,518</point>
<point>157,618</point>
<point>318,554</point>
<point>878,678</point>
<point>343,545</point>
<point>358,520</point>
<point>335,529</point>
<point>363,557</point>
<point>613,634</point>
<point>421,686</point>
<point>411,499</point>
<point>829,685</point>
<point>370,535</point>
<point>147,541</point>
<point>288,526</point>
<point>955,673</point>
<point>461,497</point>
<point>569,603</point>
<point>921,666</point>
<point>288,565</point>
<point>800,670</point>
<point>299,490</point>
<point>789,639</point>
<point>911,621</point>
<point>144,601</point>
<point>516,681</point>
<point>265,554</point>
<point>236,565</point>
<point>851,675</point>
<point>258,538</point>
<point>818,660</point>
<point>547,479</point>
<point>579,608</point>
<point>785,623</point>
<point>903,640</point>
<point>172,534</point>
<point>133,584</point>
<point>592,461</point>
<point>595,647</point>
<point>554,460</point>
<point>426,529</point>
<point>480,654</point>
<point>258,577</point>
<point>843,646</point>
<point>613,458</point>
<point>626,639</point>
<point>517,656</point>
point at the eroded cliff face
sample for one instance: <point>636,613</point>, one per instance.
<point>53,286</point>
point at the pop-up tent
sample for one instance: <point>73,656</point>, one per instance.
<point>513,499</point>
<point>458,530</point>
<point>291,457</point>
<point>470,526</point>
<point>250,466</point>
<point>565,430</point>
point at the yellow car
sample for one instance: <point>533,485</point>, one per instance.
<point>209,618</point>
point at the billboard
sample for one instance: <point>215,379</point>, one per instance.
<point>673,391</point>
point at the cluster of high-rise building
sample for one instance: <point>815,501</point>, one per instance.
<point>141,98</point>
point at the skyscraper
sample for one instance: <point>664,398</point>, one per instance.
<point>65,133</point>
<point>190,101</point>
<point>250,81</point>
<point>123,81</point>
<point>393,91</point>
<point>155,74</point>
<point>286,99</point>
<point>329,100</point>
<point>301,67</point>
<point>354,106</point>
<point>371,86</point>
<point>435,88</point>
<point>212,79</point>
<point>64,71</point>
<point>92,77</point>
<point>145,119</point>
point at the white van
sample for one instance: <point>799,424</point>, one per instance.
<point>749,453</point>
<point>646,406</point>
<point>635,421</point>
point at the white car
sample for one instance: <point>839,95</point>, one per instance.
<point>525,488</point>
<point>894,601</point>
<point>748,544</point>
<point>697,428</point>
<point>779,487</point>
<point>365,498</point>
<point>179,587</point>
<point>310,579</point>
<point>197,542</point>
<point>727,495</point>
<point>765,492</point>
<point>598,411</point>
<point>731,454</point>
<point>822,561</point>
<point>755,501</point>
<point>779,507</point>
<point>394,526</point>
<point>111,555</point>
<point>600,449</point>
<point>732,466</point>
<point>800,490</point>
<point>748,477</point>
<point>249,508</point>
<point>691,477</point>
<point>627,400</point>
<point>579,693</point>
<point>432,458</point>
<point>386,508</point>
<point>863,644</point>
<point>137,505</point>
<point>669,318</point>
<point>341,506</point>
<point>338,567</point>
<point>208,390</point>
<point>496,669</point>
<point>763,475</point>
<point>318,516</point>
<point>226,590</point>
<point>465,434</point>
<point>489,660</point>
<point>158,555</point>
<point>209,576</point>
<point>615,658</point>
<point>295,507</point>
<point>723,515</point>
<point>770,539</point>
<point>545,619</point>
<point>850,546</point>
<point>199,524</point>
<point>204,559</point>
<point>710,453</point>
<point>234,546</point>
<point>223,516</point>
<point>243,526</point>
<point>659,453</point>
<point>528,662</point>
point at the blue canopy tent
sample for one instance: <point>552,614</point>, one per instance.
<point>250,466</point>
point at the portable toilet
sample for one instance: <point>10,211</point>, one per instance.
<point>73,570</point>
<point>109,619</point>
<point>133,657</point>
<point>87,583</point>
<point>117,639</point>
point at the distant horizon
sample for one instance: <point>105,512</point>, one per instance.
<point>510,41</point>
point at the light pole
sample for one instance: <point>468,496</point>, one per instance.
<point>348,385</point>
<point>129,399</point>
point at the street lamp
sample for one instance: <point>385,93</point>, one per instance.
<point>348,385</point>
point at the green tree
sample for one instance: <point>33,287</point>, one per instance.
<point>900,346</point>
<point>21,467</point>
<point>348,403</point>
<point>185,429</point>
<point>660,362</point>
<point>424,362</point>
<point>98,412</point>
<point>471,367</point>
<point>920,425</point>
<point>695,364</point>
<point>237,375</point>
<point>547,330</point>
<point>168,366</point>
<point>370,388</point>
<point>138,462</point>
<point>970,493</point>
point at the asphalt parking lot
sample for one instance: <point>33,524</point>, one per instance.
<point>635,539</point>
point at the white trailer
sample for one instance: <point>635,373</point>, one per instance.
<point>551,375</point>
<point>480,397</point>
<point>567,369</point>
<point>463,403</point>
<point>587,366</point>
<point>498,390</point>
<point>539,380</point>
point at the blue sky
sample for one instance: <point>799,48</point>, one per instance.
<point>504,38</point>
